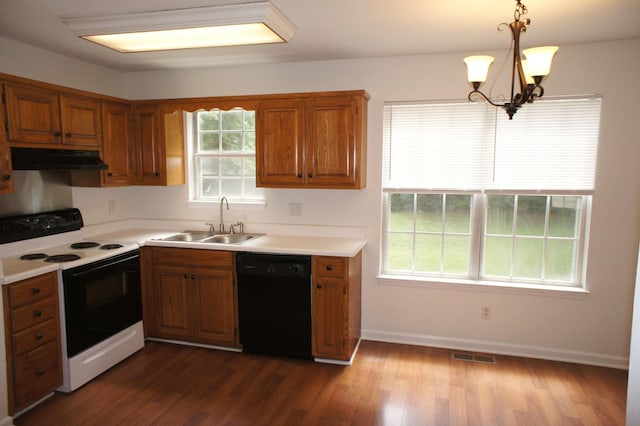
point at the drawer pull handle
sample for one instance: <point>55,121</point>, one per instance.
<point>6,177</point>
<point>40,371</point>
<point>186,276</point>
<point>37,313</point>
<point>39,335</point>
<point>328,267</point>
<point>319,286</point>
<point>68,135</point>
<point>194,276</point>
<point>35,290</point>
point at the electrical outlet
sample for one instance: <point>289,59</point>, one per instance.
<point>112,206</point>
<point>485,313</point>
<point>295,209</point>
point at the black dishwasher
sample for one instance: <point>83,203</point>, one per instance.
<point>274,302</point>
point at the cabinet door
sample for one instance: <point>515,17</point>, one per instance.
<point>81,124</point>
<point>173,316</point>
<point>329,320</point>
<point>6,177</point>
<point>116,148</point>
<point>279,144</point>
<point>33,115</point>
<point>331,142</point>
<point>214,298</point>
<point>148,152</point>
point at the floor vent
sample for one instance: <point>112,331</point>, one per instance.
<point>473,358</point>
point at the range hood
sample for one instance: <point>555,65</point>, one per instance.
<point>56,159</point>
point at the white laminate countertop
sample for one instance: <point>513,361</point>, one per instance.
<point>283,244</point>
<point>12,270</point>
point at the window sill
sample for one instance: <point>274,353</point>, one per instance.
<point>239,205</point>
<point>483,286</point>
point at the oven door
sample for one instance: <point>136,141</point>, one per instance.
<point>100,300</point>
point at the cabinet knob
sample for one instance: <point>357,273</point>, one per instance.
<point>328,267</point>
<point>67,135</point>
<point>39,335</point>
<point>186,276</point>
<point>109,174</point>
<point>40,371</point>
<point>193,277</point>
<point>6,177</point>
<point>37,313</point>
<point>35,290</point>
<point>156,174</point>
<point>57,133</point>
<point>318,285</point>
<point>310,175</point>
<point>300,175</point>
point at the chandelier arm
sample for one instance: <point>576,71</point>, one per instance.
<point>483,96</point>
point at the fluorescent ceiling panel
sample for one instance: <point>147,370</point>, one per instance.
<point>232,25</point>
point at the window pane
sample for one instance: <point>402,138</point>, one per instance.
<point>210,188</point>
<point>527,262</point>
<point>249,165</point>
<point>232,120</point>
<point>428,252</point>
<point>209,166</point>
<point>208,120</point>
<point>232,187</point>
<point>560,255</point>
<point>232,141</point>
<point>231,166</point>
<point>401,212</point>
<point>497,256</point>
<point>563,219</point>
<point>249,120</point>
<point>209,142</point>
<point>250,142</point>
<point>429,213</point>
<point>400,253</point>
<point>500,214</point>
<point>458,214</point>
<point>531,215</point>
<point>456,254</point>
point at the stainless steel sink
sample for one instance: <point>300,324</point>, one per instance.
<point>188,236</point>
<point>206,237</point>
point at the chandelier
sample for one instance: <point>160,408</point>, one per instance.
<point>529,72</point>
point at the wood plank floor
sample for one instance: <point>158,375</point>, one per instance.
<point>388,384</point>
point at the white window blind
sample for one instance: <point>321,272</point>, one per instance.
<point>550,145</point>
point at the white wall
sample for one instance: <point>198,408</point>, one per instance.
<point>592,328</point>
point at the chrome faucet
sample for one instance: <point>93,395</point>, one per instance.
<point>223,200</point>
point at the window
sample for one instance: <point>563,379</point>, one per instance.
<point>222,147</point>
<point>469,194</point>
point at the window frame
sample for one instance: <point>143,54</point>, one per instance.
<point>193,169</point>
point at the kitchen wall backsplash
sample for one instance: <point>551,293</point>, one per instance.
<point>37,191</point>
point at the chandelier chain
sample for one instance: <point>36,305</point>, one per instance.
<point>521,10</point>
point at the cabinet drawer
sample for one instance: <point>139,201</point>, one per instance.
<point>34,336</point>
<point>33,314</point>
<point>330,266</point>
<point>32,290</point>
<point>37,373</point>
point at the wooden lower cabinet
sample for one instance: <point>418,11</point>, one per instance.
<point>190,295</point>
<point>34,360</point>
<point>336,306</point>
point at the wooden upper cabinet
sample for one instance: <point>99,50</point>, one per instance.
<point>158,146</point>
<point>280,151</point>
<point>40,117</point>
<point>6,174</point>
<point>116,146</point>
<point>318,141</point>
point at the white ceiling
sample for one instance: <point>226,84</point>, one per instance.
<point>334,29</point>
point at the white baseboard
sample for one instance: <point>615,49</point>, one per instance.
<point>7,421</point>
<point>499,348</point>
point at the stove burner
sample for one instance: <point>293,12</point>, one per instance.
<point>33,256</point>
<point>110,246</point>
<point>84,245</point>
<point>62,258</point>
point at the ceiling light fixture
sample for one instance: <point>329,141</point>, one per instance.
<point>229,25</point>
<point>530,71</point>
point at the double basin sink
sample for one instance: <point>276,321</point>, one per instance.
<point>207,237</point>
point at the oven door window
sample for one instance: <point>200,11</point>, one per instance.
<point>101,299</point>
